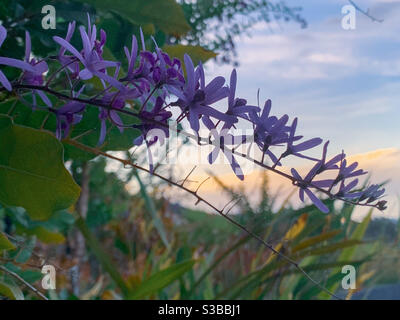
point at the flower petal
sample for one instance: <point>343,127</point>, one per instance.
<point>4,81</point>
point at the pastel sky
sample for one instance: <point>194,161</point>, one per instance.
<point>342,84</point>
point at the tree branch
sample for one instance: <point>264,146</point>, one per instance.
<point>366,13</point>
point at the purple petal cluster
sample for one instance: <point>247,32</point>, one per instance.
<point>154,84</point>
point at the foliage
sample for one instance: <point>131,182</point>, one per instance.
<point>125,245</point>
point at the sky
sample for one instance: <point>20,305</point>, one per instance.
<point>343,85</point>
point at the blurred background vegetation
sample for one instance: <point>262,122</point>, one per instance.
<point>115,244</point>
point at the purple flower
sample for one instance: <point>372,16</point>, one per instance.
<point>70,61</point>
<point>140,77</point>
<point>10,62</point>
<point>372,193</point>
<point>303,146</point>
<point>35,77</point>
<point>304,185</point>
<point>331,164</point>
<point>91,56</point>
<point>195,98</point>
<point>223,139</point>
<point>237,107</point>
<point>348,172</point>
<point>68,115</point>
<point>153,119</point>
<point>116,100</point>
<point>345,191</point>
<point>152,129</point>
<point>167,72</point>
<point>269,131</point>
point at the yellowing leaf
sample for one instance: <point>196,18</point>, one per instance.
<point>11,291</point>
<point>196,53</point>
<point>5,244</point>
<point>291,234</point>
<point>47,236</point>
<point>297,228</point>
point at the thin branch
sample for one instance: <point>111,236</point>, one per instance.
<point>201,199</point>
<point>366,13</point>
<point>234,205</point>
<point>191,171</point>
<point>204,181</point>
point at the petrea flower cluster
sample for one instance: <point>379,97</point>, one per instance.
<point>157,84</point>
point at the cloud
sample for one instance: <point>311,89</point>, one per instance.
<point>324,50</point>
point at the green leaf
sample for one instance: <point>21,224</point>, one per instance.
<point>5,244</point>
<point>357,234</point>
<point>11,291</point>
<point>315,240</point>
<point>348,253</point>
<point>102,256</point>
<point>161,279</point>
<point>150,206</point>
<point>167,15</point>
<point>330,248</point>
<point>32,171</point>
<point>24,252</point>
<point>197,53</point>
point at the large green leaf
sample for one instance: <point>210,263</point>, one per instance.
<point>161,279</point>
<point>32,171</point>
<point>167,15</point>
